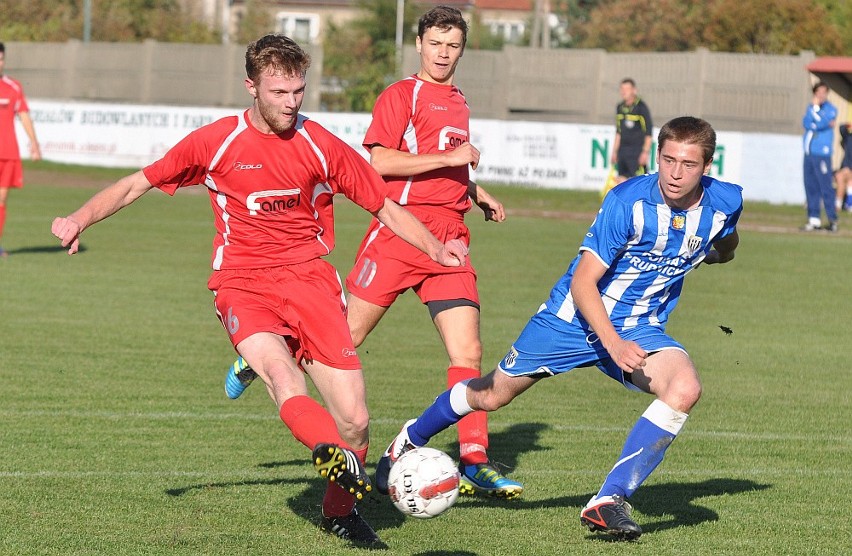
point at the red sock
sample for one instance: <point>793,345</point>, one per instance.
<point>337,502</point>
<point>309,422</point>
<point>473,427</point>
<point>2,218</point>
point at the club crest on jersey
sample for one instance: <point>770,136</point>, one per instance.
<point>509,361</point>
<point>678,222</point>
<point>693,244</point>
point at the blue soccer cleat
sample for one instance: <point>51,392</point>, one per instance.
<point>399,446</point>
<point>485,478</point>
<point>238,378</point>
<point>610,514</point>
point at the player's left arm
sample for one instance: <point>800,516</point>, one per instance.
<point>409,228</point>
<point>29,129</point>
<point>492,208</point>
<point>723,250</point>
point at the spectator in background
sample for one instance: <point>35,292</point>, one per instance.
<point>12,101</point>
<point>633,133</point>
<point>843,176</point>
<point>820,118</point>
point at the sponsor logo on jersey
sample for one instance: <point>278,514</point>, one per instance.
<point>451,137</point>
<point>678,222</point>
<point>243,166</point>
<point>433,106</point>
<point>273,200</point>
<point>348,352</point>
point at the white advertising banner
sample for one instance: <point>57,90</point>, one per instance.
<point>540,154</point>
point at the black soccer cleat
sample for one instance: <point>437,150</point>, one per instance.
<point>354,529</point>
<point>611,515</point>
<point>341,465</point>
<point>399,446</point>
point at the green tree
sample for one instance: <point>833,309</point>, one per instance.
<point>255,22</point>
<point>771,27</point>
<point>113,21</point>
<point>360,57</point>
<point>760,26</point>
<point>643,25</point>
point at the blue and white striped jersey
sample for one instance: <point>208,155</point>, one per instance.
<point>648,247</point>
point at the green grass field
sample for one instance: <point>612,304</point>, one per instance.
<point>117,437</point>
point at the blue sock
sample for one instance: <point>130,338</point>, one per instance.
<point>643,450</point>
<point>445,411</point>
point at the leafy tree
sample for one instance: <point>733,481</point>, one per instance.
<point>643,25</point>
<point>360,56</point>
<point>114,20</point>
<point>785,27</point>
<point>760,26</point>
<point>255,23</point>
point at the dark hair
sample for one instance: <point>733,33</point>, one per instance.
<point>278,52</point>
<point>2,47</point>
<point>443,18</point>
<point>693,131</point>
<point>628,80</point>
<point>818,85</point>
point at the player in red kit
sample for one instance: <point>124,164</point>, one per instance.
<point>12,102</point>
<point>419,141</point>
<point>271,174</point>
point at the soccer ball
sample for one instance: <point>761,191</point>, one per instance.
<point>424,482</point>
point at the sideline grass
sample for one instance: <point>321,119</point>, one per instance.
<point>117,437</point>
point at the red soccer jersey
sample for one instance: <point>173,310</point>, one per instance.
<point>271,195</point>
<point>420,117</point>
<point>12,102</point>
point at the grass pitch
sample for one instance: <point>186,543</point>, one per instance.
<point>117,437</point>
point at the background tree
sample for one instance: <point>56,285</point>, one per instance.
<point>255,23</point>
<point>113,21</point>
<point>771,27</point>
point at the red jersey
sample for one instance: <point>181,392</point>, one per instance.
<point>12,102</point>
<point>271,195</point>
<point>421,117</point>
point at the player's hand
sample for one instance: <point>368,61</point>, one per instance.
<point>68,231</point>
<point>717,257</point>
<point>491,207</point>
<point>629,356</point>
<point>463,154</point>
<point>453,253</point>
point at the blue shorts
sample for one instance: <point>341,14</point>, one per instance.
<point>550,346</point>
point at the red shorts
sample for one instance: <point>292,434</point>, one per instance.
<point>386,265</point>
<point>303,302</point>
<point>11,174</point>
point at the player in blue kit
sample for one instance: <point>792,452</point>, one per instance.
<point>610,310</point>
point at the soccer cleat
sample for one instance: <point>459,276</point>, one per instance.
<point>831,226</point>
<point>352,528</point>
<point>238,378</point>
<point>399,446</point>
<point>610,514</point>
<point>341,465</point>
<point>485,478</point>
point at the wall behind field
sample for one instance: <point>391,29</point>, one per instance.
<point>737,92</point>
<point>542,154</point>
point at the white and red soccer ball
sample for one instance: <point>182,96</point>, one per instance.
<point>423,482</point>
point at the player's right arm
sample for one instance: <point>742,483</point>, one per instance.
<point>584,289</point>
<point>102,205</point>
<point>392,162</point>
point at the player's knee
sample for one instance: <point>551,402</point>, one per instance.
<point>354,427</point>
<point>685,393</point>
<point>490,400</point>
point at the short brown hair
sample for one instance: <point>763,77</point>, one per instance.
<point>278,52</point>
<point>443,18</point>
<point>690,130</point>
